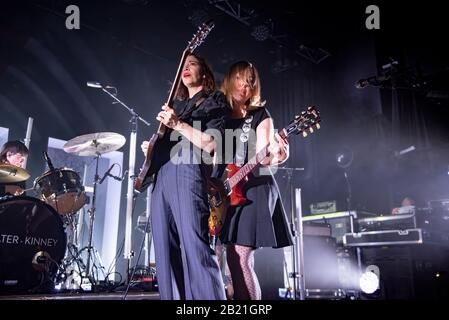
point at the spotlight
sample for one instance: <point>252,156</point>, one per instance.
<point>369,280</point>
<point>261,32</point>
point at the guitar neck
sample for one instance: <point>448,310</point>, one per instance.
<point>301,124</point>
<point>174,89</point>
<point>253,162</point>
<point>247,168</point>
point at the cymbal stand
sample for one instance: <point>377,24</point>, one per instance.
<point>92,218</point>
<point>81,213</point>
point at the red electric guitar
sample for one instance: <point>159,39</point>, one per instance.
<point>150,167</point>
<point>230,192</point>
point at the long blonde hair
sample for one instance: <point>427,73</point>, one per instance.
<point>248,71</point>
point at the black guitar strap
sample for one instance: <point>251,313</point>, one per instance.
<point>196,105</point>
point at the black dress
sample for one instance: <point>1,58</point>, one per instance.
<point>263,221</point>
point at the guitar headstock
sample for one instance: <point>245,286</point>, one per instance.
<point>200,35</point>
<point>305,122</point>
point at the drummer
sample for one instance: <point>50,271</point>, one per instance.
<point>13,153</point>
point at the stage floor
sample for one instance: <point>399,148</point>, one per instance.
<point>85,296</point>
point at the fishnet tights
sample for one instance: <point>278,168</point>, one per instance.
<point>244,279</point>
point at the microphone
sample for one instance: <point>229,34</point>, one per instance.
<point>371,81</point>
<point>49,163</point>
<point>108,173</point>
<point>97,85</point>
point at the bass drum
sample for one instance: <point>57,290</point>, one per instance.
<point>32,245</point>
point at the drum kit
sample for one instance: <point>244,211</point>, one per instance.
<point>33,237</point>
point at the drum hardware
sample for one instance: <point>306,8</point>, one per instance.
<point>94,144</point>
<point>42,261</point>
<point>21,192</point>
<point>70,275</point>
<point>49,163</point>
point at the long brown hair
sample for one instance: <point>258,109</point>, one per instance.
<point>248,71</point>
<point>208,79</point>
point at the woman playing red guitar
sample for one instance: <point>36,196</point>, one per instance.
<point>256,217</point>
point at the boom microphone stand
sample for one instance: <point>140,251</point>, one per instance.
<point>128,254</point>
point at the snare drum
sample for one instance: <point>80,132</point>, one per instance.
<point>32,243</point>
<point>62,189</point>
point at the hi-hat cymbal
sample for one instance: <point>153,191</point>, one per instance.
<point>10,173</point>
<point>95,144</point>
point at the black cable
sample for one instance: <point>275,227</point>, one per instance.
<point>114,261</point>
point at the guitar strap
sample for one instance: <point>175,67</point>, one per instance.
<point>196,105</point>
<point>242,144</point>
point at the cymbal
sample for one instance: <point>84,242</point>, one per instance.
<point>94,144</point>
<point>10,173</point>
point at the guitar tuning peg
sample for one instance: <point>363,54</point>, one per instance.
<point>304,134</point>
<point>311,130</point>
<point>318,126</point>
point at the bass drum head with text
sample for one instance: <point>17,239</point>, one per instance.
<point>32,244</point>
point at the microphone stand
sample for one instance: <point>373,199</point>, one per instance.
<point>128,253</point>
<point>351,217</point>
<point>349,189</point>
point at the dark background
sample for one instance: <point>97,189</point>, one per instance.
<point>316,53</point>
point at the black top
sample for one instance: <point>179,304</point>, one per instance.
<point>211,111</point>
<point>234,130</point>
<point>253,119</point>
<point>259,114</point>
<point>204,112</point>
